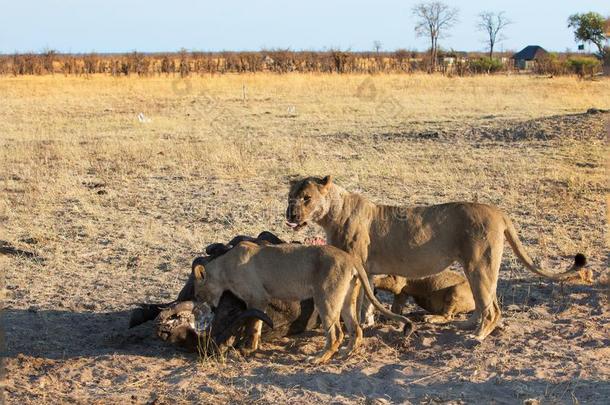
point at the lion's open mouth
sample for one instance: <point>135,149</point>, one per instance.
<point>295,227</point>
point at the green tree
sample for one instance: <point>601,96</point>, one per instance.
<point>589,27</point>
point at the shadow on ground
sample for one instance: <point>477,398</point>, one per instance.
<point>64,334</point>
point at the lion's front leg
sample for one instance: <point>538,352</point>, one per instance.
<point>399,302</point>
<point>439,319</point>
<point>255,327</point>
<point>254,335</point>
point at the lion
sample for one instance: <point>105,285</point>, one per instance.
<point>257,274</point>
<point>444,295</point>
<point>147,312</point>
<point>416,242</point>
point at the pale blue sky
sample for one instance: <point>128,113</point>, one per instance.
<point>153,25</point>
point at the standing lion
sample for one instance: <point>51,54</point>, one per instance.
<point>416,242</point>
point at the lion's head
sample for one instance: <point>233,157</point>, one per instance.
<point>307,201</point>
<point>205,287</point>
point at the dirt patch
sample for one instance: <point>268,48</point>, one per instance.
<point>590,125</point>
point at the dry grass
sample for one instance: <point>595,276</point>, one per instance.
<point>117,208</point>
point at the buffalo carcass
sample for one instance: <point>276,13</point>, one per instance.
<point>183,322</point>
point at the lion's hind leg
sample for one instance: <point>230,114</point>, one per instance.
<point>491,318</point>
<point>366,308</point>
<point>330,311</point>
<point>482,273</point>
<point>349,314</point>
<point>334,337</point>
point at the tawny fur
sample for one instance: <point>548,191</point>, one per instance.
<point>257,274</point>
<point>417,242</point>
<point>444,295</point>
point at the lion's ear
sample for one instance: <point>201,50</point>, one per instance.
<point>326,183</point>
<point>294,179</point>
<point>199,272</point>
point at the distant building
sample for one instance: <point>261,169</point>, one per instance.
<point>453,57</point>
<point>527,57</point>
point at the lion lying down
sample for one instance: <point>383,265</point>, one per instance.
<point>444,295</point>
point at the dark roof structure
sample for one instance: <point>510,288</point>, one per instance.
<point>530,52</point>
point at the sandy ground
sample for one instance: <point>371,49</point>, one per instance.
<point>101,240</point>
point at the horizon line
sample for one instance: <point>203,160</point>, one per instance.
<point>271,49</point>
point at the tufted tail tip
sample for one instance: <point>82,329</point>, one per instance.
<point>580,260</point>
<point>408,329</point>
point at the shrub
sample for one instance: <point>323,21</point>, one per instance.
<point>91,64</point>
<point>341,61</point>
<point>551,64</point>
<point>167,65</point>
<point>186,63</point>
<point>48,57</point>
<point>606,58</point>
<point>184,66</point>
<point>4,65</point>
<point>485,65</point>
<point>584,65</point>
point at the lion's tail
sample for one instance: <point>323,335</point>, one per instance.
<point>408,328</point>
<point>513,239</point>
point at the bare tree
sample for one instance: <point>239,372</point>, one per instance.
<point>377,45</point>
<point>434,19</point>
<point>492,24</point>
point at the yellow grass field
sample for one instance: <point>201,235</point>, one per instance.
<point>115,184</point>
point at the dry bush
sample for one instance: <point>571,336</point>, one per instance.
<point>48,57</point>
<point>277,61</point>
<point>184,66</point>
<point>185,63</point>
<point>5,68</point>
<point>551,64</point>
<point>91,64</point>
<point>27,64</point>
<point>70,66</point>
